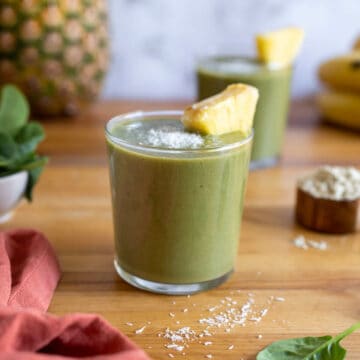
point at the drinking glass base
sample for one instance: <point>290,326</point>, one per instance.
<point>168,289</point>
<point>264,163</point>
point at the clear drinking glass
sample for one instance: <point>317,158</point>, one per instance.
<point>176,212</point>
<point>214,74</point>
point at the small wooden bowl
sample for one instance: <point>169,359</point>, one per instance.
<point>325,215</point>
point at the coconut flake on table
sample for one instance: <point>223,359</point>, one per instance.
<point>140,331</point>
<point>175,347</point>
<point>279,298</point>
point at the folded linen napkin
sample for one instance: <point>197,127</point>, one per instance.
<point>29,273</point>
<point>29,270</point>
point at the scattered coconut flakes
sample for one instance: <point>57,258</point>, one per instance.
<point>185,310</point>
<point>205,332</point>
<point>230,317</point>
<point>209,356</point>
<point>207,343</point>
<point>230,347</point>
<point>259,336</point>
<point>171,356</point>
<point>129,324</point>
<point>302,243</point>
<point>171,314</point>
<point>179,335</point>
<point>224,317</point>
<point>140,331</point>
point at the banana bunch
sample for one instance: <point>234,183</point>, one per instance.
<point>341,103</point>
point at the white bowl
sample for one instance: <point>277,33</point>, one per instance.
<point>12,188</point>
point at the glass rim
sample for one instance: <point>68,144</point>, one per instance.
<point>161,150</point>
<point>203,63</point>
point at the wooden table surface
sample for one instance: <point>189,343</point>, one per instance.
<point>321,288</point>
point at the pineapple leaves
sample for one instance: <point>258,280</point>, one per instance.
<point>308,348</point>
<point>19,138</point>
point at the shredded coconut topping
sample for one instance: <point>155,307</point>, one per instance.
<point>333,182</point>
<point>171,138</point>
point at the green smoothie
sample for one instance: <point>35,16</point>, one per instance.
<point>177,202</point>
<point>215,74</point>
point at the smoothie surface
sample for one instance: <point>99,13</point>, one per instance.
<point>168,134</point>
<point>235,65</point>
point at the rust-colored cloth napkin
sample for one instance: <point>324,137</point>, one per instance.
<point>29,273</point>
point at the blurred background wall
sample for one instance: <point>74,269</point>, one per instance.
<point>155,43</point>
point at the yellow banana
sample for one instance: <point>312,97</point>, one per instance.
<point>340,108</point>
<point>342,73</point>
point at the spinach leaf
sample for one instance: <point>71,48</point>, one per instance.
<point>8,150</point>
<point>14,110</point>
<point>308,348</point>
<point>34,170</point>
<point>29,136</point>
<point>19,138</point>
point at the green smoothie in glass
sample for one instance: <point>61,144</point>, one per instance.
<point>216,73</point>
<point>177,201</point>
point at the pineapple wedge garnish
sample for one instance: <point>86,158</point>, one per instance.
<point>279,48</point>
<point>231,110</point>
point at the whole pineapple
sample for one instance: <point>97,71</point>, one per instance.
<point>55,50</point>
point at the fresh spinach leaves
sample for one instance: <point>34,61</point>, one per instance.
<point>308,348</point>
<point>19,138</point>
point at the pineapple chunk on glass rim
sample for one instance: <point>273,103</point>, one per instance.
<point>228,111</point>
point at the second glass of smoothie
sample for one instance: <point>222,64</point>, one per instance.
<point>214,74</point>
<point>177,201</point>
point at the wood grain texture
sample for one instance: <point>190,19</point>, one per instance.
<point>327,215</point>
<point>321,288</point>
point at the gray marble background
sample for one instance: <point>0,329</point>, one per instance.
<point>156,43</point>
